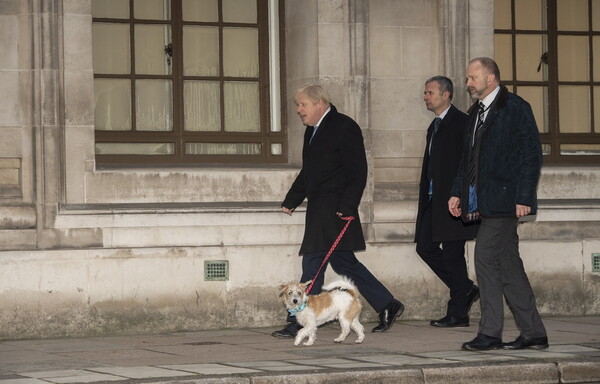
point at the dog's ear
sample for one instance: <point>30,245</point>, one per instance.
<point>306,284</point>
<point>282,289</point>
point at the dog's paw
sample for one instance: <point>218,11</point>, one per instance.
<point>309,343</point>
<point>360,340</point>
<point>338,340</point>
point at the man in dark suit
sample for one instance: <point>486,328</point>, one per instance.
<point>332,179</point>
<point>435,226</point>
<point>497,182</point>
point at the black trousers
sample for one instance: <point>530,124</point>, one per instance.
<point>501,275</point>
<point>447,260</point>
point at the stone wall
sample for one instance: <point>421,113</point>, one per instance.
<point>103,251</point>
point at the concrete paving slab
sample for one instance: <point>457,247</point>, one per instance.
<point>402,360</point>
<point>73,376</point>
<point>468,356</point>
<point>276,366</point>
<point>211,369</point>
<point>142,372</point>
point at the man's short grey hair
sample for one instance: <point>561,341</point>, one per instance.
<point>444,82</point>
<point>315,93</point>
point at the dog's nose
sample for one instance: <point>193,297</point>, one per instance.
<point>295,301</point>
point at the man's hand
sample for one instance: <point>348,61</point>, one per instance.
<point>454,206</point>
<point>523,210</point>
<point>287,210</point>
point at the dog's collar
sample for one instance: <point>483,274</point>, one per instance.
<point>294,311</point>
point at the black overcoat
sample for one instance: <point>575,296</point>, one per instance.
<point>448,144</point>
<point>510,159</point>
<point>332,179</point>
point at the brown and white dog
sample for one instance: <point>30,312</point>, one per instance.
<point>338,301</point>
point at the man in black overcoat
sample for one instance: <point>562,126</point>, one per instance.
<point>440,237</point>
<point>332,179</point>
<point>497,181</point>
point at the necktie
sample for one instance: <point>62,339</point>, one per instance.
<point>474,159</point>
<point>480,115</point>
<point>436,125</point>
<point>313,133</point>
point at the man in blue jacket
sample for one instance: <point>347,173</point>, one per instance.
<point>497,183</point>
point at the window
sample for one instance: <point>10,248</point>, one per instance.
<point>548,52</point>
<point>186,82</point>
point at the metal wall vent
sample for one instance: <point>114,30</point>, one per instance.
<point>216,270</point>
<point>595,262</point>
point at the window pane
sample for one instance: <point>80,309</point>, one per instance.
<point>112,105</point>
<point>580,149</point>
<point>502,18</point>
<point>538,99</point>
<point>529,15</point>
<point>150,42</point>
<point>573,60</point>
<point>276,149</point>
<point>152,9</point>
<point>111,53</point>
<point>134,148</point>
<point>503,55</point>
<point>200,51</point>
<point>241,107</point>
<point>572,15</point>
<point>546,149</point>
<point>116,9</point>
<point>240,52</point>
<point>597,109</point>
<point>154,105</point>
<point>239,11</point>
<point>529,50</point>
<point>596,15</point>
<point>223,148</point>
<point>574,109</point>
<point>200,10</point>
<point>596,49</point>
<point>202,105</point>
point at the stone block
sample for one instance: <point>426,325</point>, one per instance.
<point>333,50</point>
<point>579,372</point>
<point>300,14</point>
<point>78,50</point>
<point>11,112</point>
<point>397,104</point>
<point>301,53</point>
<point>9,40</point>
<point>506,373</point>
<point>407,13</point>
<point>79,97</point>
<point>385,51</point>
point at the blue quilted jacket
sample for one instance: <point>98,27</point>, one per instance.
<point>510,159</point>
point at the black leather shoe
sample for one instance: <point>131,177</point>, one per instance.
<point>450,321</point>
<point>472,297</point>
<point>482,343</point>
<point>288,332</point>
<point>388,316</point>
<point>525,343</point>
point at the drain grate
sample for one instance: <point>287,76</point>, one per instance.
<point>216,270</point>
<point>595,262</point>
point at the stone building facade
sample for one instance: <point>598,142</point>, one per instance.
<point>90,250</point>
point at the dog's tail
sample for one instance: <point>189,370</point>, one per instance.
<point>343,284</point>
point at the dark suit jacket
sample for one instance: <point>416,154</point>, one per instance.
<point>333,178</point>
<point>445,159</point>
<point>510,159</point>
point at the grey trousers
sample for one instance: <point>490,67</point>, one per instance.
<point>500,273</point>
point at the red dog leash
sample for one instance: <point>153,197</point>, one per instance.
<point>335,243</point>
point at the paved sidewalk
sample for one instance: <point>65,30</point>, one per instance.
<point>411,352</point>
